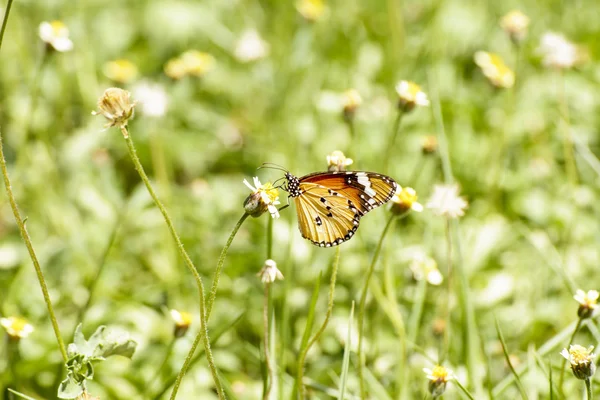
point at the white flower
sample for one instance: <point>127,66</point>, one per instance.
<point>557,51</point>
<point>56,34</point>
<point>251,47</point>
<point>337,161</point>
<point>152,98</point>
<point>16,327</point>
<point>445,201</point>
<point>425,267</point>
<point>268,196</point>
<point>269,273</point>
<point>410,95</point>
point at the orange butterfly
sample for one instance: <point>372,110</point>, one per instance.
<point>330,204</point>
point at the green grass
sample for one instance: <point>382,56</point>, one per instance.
<point>525,158</point>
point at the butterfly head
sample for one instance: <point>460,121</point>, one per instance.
<point>293,185</point>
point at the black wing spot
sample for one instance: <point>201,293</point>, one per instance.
<point>318,221</point>
<point>330,215</point>
<point>323,200</point>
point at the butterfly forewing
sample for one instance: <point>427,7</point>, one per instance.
<point>330,204</point>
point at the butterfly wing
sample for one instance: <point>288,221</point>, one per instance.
<point>330,204</point>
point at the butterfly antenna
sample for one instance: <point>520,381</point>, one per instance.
<point>273,166</point>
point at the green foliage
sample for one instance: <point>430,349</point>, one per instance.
<point>83,353</point>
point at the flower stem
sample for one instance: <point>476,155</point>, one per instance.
<point>188,262</point>
<point>393,136</point>
<point>361,308</point>
<point>162,365</point>
<point>564,361</point>
<point>267,306</point>
<point>21,223</point>
<point>34,259</point>
<point>588,387</point>
<point>269,379</point>
<point>217,275</point>
<point>302,356</point>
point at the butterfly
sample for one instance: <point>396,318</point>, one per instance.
<point>331,204</point>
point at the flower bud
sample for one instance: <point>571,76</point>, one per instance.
<point>337,161</point>
<point>182,320</point>
<point>116,106</point>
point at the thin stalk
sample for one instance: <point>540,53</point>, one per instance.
<point>446,346</point>
<point>269,379</point>
<point>32,255</point>
<point>393,136</point>
<point>162,365</point>
<point>564,361</point>
<point>588,388</point>
<point>361,307</point>
<point>101,264</point>
<point>21,223</point>
<point>569,154</point>
<point>215,284</point>
<point>188,262</point>
<point>302,356</point>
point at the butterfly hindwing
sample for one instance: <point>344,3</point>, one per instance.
<point>330,204</point>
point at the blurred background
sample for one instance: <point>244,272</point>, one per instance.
<point>223,86</point>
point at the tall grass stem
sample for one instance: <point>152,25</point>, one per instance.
<point>317,335</point>
<point>21,222</point>
<point>188,262</point>
<point>361,307</point>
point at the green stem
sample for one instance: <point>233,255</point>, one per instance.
<point>188,262</point>
<point>302,355</point>
<point>588,388</point>
<point>569,154</point>
<point>361,308</point>
<point>21,223</point>
<point>269,379</point>
<point>446,346</point>
<point>102,262</point>
<point>217,275</point>
<point>162,365</point>
<point>564,361</point>
<point>393,136</point>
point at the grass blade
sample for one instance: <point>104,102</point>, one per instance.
<point>346,360</point>
<point>512,369</point>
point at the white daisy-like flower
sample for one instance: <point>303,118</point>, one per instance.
<point>269,273</point>
<point>337,161</point>
<point>445,201</point>
<point>410,95</point>
<point>265,197</point>
<point>16,327</point>
<point>56,35</point>
<point>152,98</point>
<point>425,267</point>
<point>581,360</point>
<point>557,51</point>
<point>251,47</point>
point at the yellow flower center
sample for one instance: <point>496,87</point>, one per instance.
<point>580,355</point>
<point>439,373</point>
<point>407,197</point>
<point>59,29</point>
<point>271,192</point>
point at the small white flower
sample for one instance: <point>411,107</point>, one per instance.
<point>269,196</point>
<point>16,327</point>
<point>269,273</point>
<point>251,47</point>
<point>445,201</point>
<point>557,51</point>
<point>411,95</point>
<point>56,34</point>
<point>152,98</point>
<point>425,267</point>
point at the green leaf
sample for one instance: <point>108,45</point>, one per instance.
<point>109,342</point>
<point>70,388</point>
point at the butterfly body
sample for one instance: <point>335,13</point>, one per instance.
<point>331,204</point>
